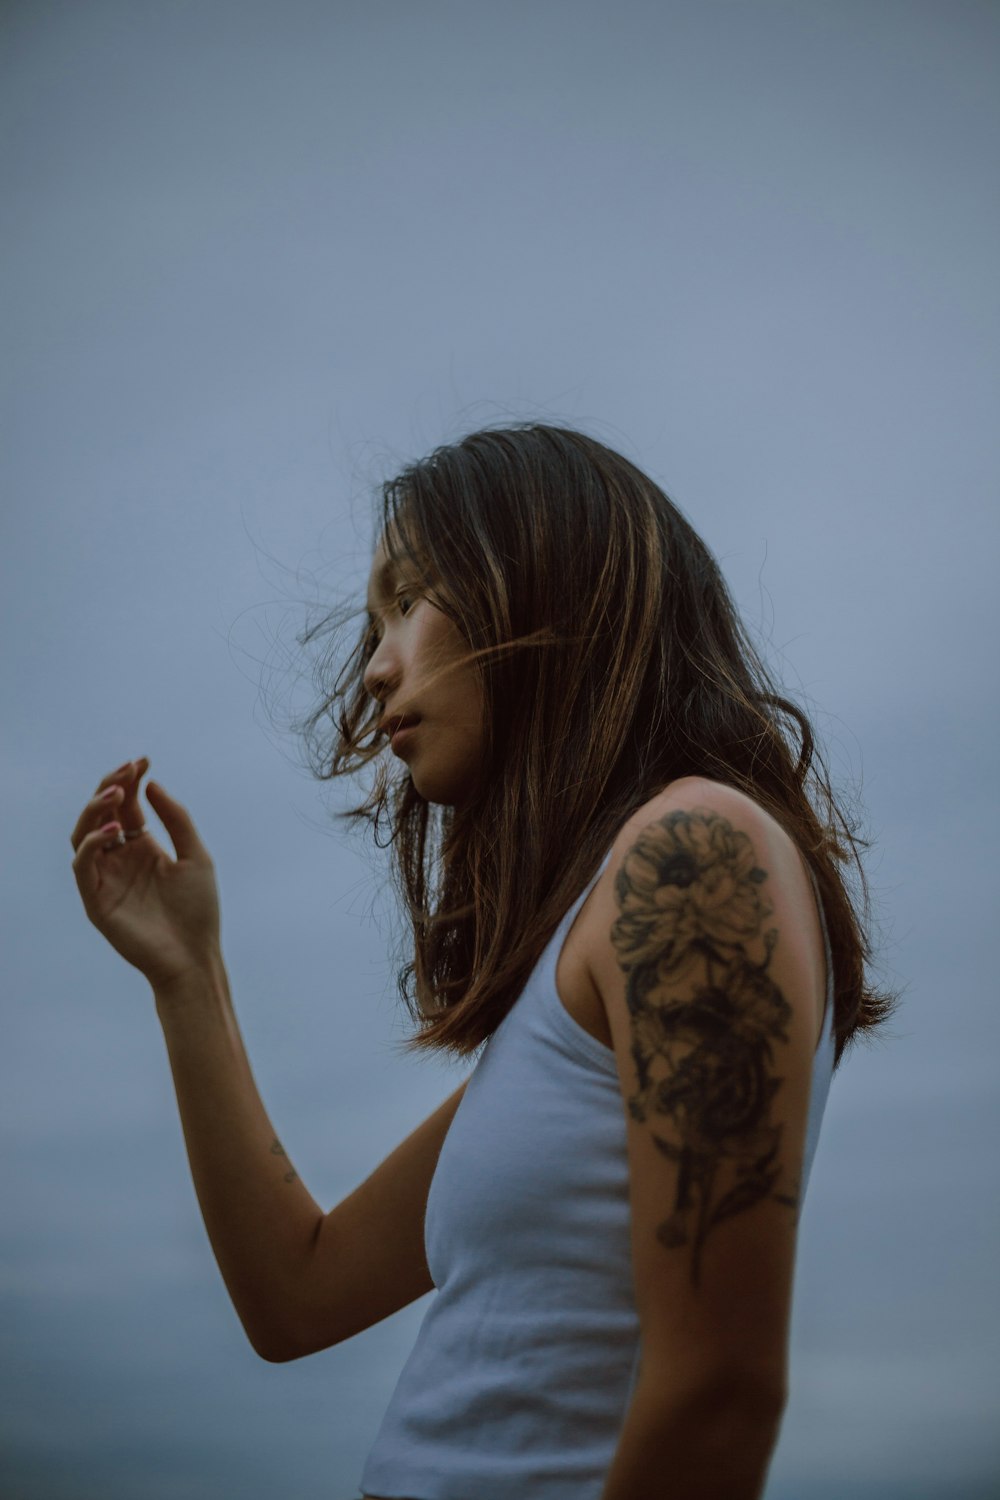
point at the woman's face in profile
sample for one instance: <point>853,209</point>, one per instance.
<point>431,697</point>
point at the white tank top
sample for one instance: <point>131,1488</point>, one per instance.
<point>524,1364</point>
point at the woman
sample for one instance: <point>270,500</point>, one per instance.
<point>627,881</point>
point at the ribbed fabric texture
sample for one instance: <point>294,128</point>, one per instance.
<point>523,1367</point>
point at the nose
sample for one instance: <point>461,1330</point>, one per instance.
<point>382,673</point>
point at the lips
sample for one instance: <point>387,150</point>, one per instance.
<point>393,723</point>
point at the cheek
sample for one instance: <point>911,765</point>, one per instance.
<point>470,696</point>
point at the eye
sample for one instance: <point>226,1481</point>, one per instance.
<point>405,600</point>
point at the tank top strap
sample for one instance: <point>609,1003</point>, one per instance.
<point>826,1029</point>
<point>554,947</point>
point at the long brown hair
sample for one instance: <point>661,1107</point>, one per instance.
<point>613,662</point>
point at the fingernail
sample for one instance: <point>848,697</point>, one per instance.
<point>122,769</point>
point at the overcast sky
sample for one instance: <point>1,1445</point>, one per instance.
<point>255,257</point>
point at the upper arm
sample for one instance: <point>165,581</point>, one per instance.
<point>368,1259</point>
<point>708,970</point>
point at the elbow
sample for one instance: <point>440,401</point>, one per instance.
<point>754,1400</point>
<point>273,1348</point>
<point>274,1354</point>
<point>280,1346</point>
<point>717,1429</point>
<point>276,1345</point>
<point>759,1393</point>
<point>754,1397</point>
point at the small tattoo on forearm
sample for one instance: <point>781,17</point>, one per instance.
<point>277,1149</point>
<point>704,1017</point>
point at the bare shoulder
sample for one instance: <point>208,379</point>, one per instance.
<point>703,852</point>
<point>722,804</point>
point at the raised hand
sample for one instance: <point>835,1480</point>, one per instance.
<point>161,914</point>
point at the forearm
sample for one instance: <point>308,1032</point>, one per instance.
<point>261,1220</point>
<point>701,1447</point>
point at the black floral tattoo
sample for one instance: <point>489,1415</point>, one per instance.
<point>277,1149</point>
<point>704,1017</point>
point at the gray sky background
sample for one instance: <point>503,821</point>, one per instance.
<point>254,258</point>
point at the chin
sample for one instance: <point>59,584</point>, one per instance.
<point>449,779</point>
<point>442,791</point>
<point>438,797</point>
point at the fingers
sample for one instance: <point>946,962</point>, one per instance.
<point>117,800</point>
<point>117,796</point>
<point>85,861</point>
<point>97,811</point>
<point>128,775</point>
<point>177,821</point>
<point>132,816</point>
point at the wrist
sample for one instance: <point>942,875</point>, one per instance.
<point>204,986</point>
